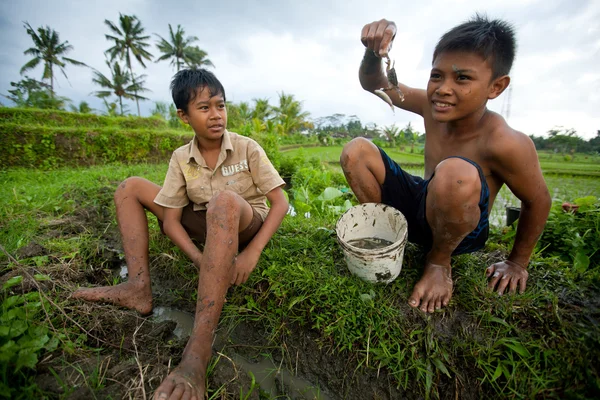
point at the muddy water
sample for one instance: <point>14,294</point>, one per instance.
<point>277,381</point>
<point>370,243</point>
<point>184,320</point>
<point>272,379</point>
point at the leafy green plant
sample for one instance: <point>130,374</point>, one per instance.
<point>574,236</point>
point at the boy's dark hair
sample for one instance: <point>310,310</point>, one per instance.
<point>492,40</point>
<point>188,83</point>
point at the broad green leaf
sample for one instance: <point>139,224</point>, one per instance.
<point>12,301</point>
<point>15,280</point>
<point>17,328</point>
<point>41,277</point>
<point>329,194</point>
<point>581,262</point>
<point>4,331</point>
<point>26,358</point>
<point>35,343</point>
<point>347,205</point>
<point>8,350</point>
<point>52,344</point>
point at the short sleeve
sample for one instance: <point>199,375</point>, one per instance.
<point>173,193</point>
<point>264,174</point>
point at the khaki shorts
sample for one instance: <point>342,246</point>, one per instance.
<point>194,223</point>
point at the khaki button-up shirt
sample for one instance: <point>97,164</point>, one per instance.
<point>242,167</point>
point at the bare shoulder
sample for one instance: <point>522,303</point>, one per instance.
<point>505,143</point>
<point>512,156</point>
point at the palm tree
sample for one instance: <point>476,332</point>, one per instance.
<point>121,84</point>
<point>180,51</point>
<point>129,40</point>
<point>290,114</point>
<point>49,50</point>
<point>82,108</point>
<point>262,109</point>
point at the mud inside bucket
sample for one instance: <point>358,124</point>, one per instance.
<point>372,237</point>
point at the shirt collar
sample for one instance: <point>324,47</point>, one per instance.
<point>196,156</point>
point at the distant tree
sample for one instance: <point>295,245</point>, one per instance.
<point>391,134</point>
<point>245,112</point>
<point>262,109</point>
<point>289,114</point>
<point>50,50</point>
<point>129,40</point>
<point>564,140</point>
<point>82,108</point>
<point>354,126</point>
<point>120,84</point>
<point>168,112</point>
<point>178,49</point>
<point>29,92</point>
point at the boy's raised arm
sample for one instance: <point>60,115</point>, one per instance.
<point>517,164</point>
<point>378,37</point>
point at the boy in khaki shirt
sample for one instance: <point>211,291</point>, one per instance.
<point>214,193</point>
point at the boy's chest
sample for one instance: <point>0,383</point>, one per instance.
<point>438,149</point>
<point>202,182</point>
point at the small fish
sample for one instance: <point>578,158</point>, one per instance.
<point>383,96</point>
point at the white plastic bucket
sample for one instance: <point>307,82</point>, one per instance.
<point>379,221</point>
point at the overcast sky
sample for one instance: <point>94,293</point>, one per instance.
<point>312,49</point>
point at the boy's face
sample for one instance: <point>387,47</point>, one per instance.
<point>206,115</point>
<point>459,85</point>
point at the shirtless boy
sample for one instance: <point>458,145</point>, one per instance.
<point>470,152</point>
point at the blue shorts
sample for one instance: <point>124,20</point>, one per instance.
<point>408,194</point>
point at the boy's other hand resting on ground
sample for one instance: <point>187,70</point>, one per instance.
<point>507,274</point>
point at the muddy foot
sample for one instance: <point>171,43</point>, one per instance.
<point>434,290</point>
<point>183,383</point>
<point>135,297</point>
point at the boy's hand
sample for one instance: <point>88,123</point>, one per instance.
<point>507,273</point>
<point>243,265</point>
<point>378,36</point>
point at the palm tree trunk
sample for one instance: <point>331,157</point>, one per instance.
<point>51,83</point>
<point>137,101</point>
<point>121,104</point>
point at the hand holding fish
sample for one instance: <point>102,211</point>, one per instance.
<point>378,37</point>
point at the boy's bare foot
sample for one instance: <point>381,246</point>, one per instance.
<point>127,294</point>
<point>434,290</point>
<point>185,382</point>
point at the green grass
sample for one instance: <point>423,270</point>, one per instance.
<point>543,343</point>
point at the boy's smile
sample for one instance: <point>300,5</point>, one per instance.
<point>459,85</point>
<point>207,115</point>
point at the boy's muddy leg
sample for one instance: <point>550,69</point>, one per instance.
<point>364,169</point>
<point>452,213</point>
<point>132,196</point>
<point>227,214</point>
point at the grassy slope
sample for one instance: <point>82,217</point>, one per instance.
<point>542,343</point>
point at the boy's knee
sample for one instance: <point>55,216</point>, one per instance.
<point>129,185</point>
<point>456,179</point>
<point>353,151</point>
<point>223,202</point>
